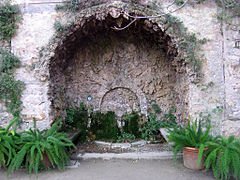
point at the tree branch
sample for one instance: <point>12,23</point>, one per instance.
<point>119,29</point>
<point>160,15</point>
<point>148,17</point>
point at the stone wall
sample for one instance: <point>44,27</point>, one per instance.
<point>121,74</point>
<point>207,95</point>
<point>217,93</point>
<point>35,31</point>
<point>120,70</point>
<point>231,60</point>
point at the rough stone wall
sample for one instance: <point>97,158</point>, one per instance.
<point>102,62</point>
<point>208,94</point>
<point>219,88</point>
<point>231,60</point>
<point>121,74</point>
<point>35,31</point>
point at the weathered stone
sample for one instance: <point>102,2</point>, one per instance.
<point>138,143</point>
<point>121,145</point>
<point>66,73</point>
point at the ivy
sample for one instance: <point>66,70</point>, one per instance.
<point>10,89</point>
<point>9,15</point>
<point>229,9</point>
<point>76,5</point>
<point>188,44</point>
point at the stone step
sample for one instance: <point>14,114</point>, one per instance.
<point>132,155</point>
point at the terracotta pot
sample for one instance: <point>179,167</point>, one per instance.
<point>46,161</point>
<point>190,158</point>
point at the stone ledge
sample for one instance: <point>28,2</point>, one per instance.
<point>134,156</point>
<point>122,145</point>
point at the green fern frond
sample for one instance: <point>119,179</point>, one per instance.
<point>200,154</point>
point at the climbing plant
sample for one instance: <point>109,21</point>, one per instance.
<point>229,9</point>
<point>189,45</point>
<point>9,15</point>
<point>10,89</point>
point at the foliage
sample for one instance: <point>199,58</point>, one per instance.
<point>230,9</point>
<point>104,126</point>
<point>130,121</point>
<point>35,143</point>
<point>156,108</point>
<point>126,137</point>
<point>189,45</point>
<point>8,62</point>
<point>169,119</point>
<point>179,2</point>
<point>9,16</point>
<point>58,26</point>
<point>190,136</point>
<point>8,146</point>
<point>150,128</point>
<point>223,156</point>
<point>76,5</point>
<point>78,118</point>
<point>10,89</point>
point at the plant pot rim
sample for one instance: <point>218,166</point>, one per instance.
<point>193,149</point>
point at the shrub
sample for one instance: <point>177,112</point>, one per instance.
<point>78,118</point>
<point>131,124</point>
<point>104,126</point>
<point>150,128</point>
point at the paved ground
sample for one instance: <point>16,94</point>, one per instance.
<point>118,170</point>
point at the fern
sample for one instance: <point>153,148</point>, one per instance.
<point>35,143</point>
<point>8,146</point>
<point>223,156</point>
<point>190,136</point>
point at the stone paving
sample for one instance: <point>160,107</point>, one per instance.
<point>119,170</point>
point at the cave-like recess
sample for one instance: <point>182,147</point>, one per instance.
<point>121,70</point>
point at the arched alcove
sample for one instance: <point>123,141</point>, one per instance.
<point>92,59</point>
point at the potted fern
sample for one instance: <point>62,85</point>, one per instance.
<point>8,146</point>
<point>223,157</point>
<point>41,149</point>
<point>192,140</point>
